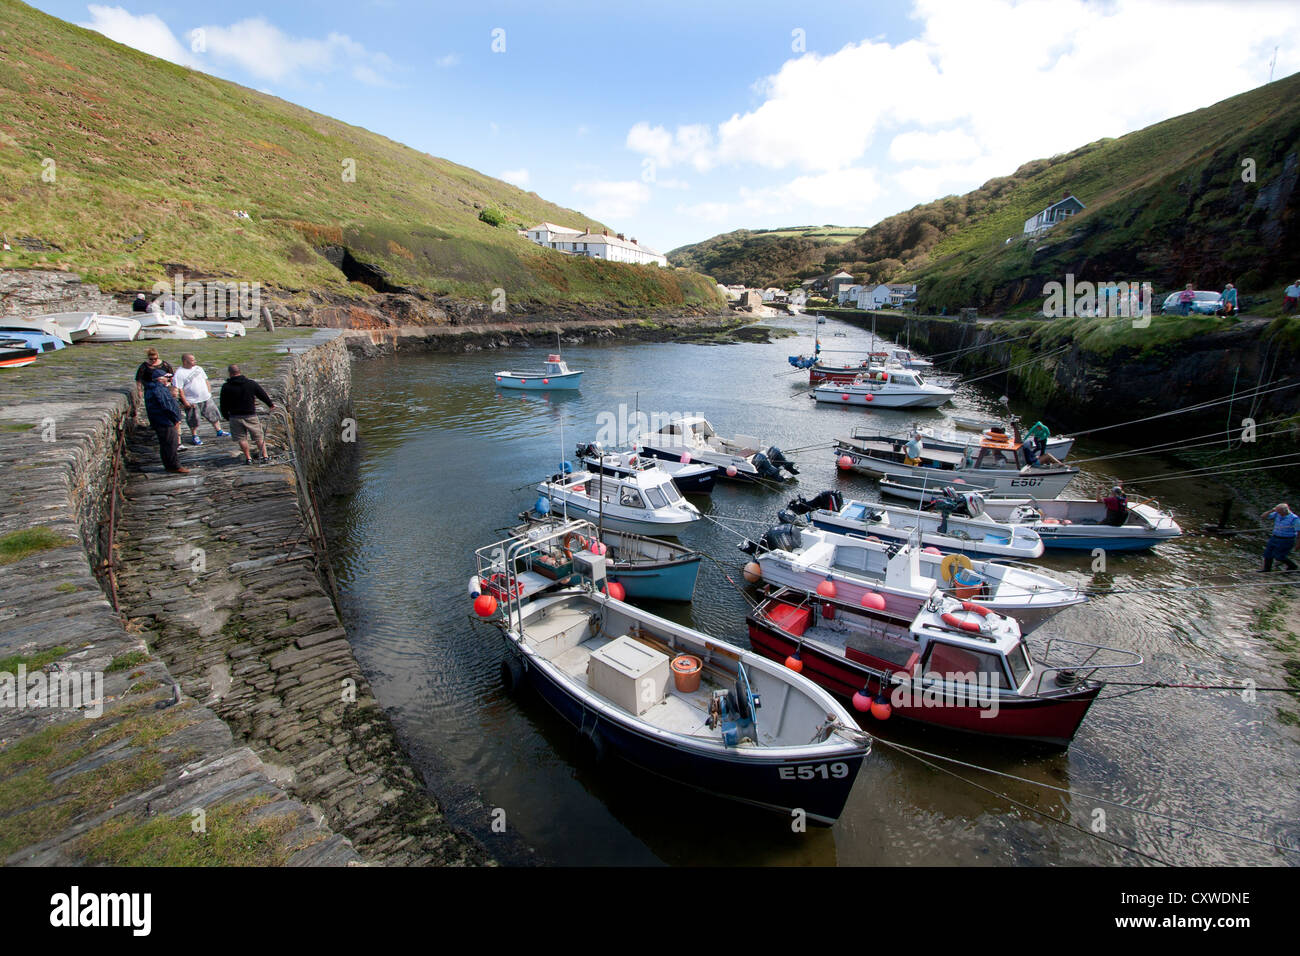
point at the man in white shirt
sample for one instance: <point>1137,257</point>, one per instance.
<point>192,382</point>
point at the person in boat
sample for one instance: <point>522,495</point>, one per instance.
<point>1285,525</point>
<point>912,450</point>
<point>1116,507</point>
<point>1037,455</point>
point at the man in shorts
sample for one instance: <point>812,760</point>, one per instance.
<point>239,397</point>
<point>196,397</point>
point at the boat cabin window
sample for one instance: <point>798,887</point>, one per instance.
<point>630,498</point>
<point>956,662</point>
<point>903,379</point>
<point>1018,659</point>
<point>671,491</point>
<point>657,499</point>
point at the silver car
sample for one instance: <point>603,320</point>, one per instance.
<point>1205,303</point>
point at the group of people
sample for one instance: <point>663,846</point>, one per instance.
<point>173,396</point>
<point>1227,300</point>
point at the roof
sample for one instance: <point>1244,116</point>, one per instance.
<point>843,274</point>
<point>1061,202</point>
<point>600,237</point>
<point>552,227</point>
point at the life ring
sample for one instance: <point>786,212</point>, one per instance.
<point>568,546</point>
<point>949,565</point>
<point>499,585</point>
<point>979,609</point>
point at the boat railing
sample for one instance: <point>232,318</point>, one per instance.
<point>1083,665</point>
<point>504,557</point>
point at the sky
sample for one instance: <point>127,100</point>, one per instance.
<point>674,121</point>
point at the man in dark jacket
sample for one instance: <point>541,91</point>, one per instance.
<point>165,417</point>
<point>239,397</point>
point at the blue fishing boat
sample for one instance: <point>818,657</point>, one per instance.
<point>662,696</point>
<point>31,339</point>
<point>555,374</point>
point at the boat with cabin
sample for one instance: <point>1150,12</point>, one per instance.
<point>954,528</point>
<point>641,502</point>
<point>693,439</point>
<point>555,374</point>
<point>957,665</point>
<point>884,387</point>
<point>1073,523</point>
<point>904,575</point>
<point>661,696</point>
<point>692,478</point>
<point>1058,446</point>
<point>993,468</point>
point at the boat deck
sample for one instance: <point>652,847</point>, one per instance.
<point>857,642</point>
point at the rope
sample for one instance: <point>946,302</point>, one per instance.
<point>1012,368</point>
<point>1180,444</point>
<point>1213,469</point>
<point>1186,408</point>
<point>913,751</point>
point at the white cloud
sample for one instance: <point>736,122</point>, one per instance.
<point>259,48</point>
<point>448,61</point>
<point>518,177</point>
<point>672,184</point>
<point>922,147</point>
<point>613,200</point>
<point>688,144</point>
<point>146,32</point>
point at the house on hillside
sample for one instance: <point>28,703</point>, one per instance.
<point>837,282</point>
<point>1053,214</point>
<point>751,299</point>
<point>849,295</point>
<point>799,297</point>
<point>597,245</point>
<point>890,294</point>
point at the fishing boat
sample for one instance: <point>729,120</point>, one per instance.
<point>662,696</point>
<point>693,439</point>
<point>1058,446</point>
<point>904,576</point>
<point>993,468</point>
<point>693,478</point>
<point>114,328</point>
<point>956,665</point>
<point>554,375</point>
<point>642,502</point>
<point>644,567</point>
<point>959,526</point>
<point>219,330</point>
<point>80,326</point>
<point>884,387</point>
<point>905,358</point>
<point>1079,523</point>
<point>39,333</point>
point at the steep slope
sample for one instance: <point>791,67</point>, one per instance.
<point>754,257</point>
<point>1166,204</point>
<point>126,167</point>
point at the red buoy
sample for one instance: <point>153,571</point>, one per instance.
<point>827,588</point>
<point>873,600</point>
<point>485,605</point>
<point>844,396</point>
<point>615,590</point>
<point>731,471</point>
<point>931,550</point>
<point>546,381</point>
<point>844,463</point>
<point>881,709</point>
<point>795,662</point>
<point>861,701</point>
<point>869,397</point>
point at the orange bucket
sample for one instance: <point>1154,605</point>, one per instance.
<point>686,673</point>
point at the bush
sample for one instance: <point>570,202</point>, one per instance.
<point>492,217</point>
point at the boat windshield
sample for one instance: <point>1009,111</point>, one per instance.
<point>1019,661</point>
<point>671,491</point>
<point>630,498</point>
<point>966,665</point>
<point>904,379</point>
<point>656,498</point>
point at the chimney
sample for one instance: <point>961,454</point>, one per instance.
<point>604,232</point>
<point>621,236</point>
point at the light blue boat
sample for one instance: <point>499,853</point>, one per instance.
<point>40,341</point>
<point>555,375</point>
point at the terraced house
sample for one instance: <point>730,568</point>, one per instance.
<point>598,245</point>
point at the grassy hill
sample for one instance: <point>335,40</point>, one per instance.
<point>1165,204</point>
<point>151,160</point>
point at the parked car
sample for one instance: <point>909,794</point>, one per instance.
<point>1205,303</point>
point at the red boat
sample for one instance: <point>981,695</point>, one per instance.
<point>957,666</point>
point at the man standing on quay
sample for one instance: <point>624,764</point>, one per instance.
<point>239,396</point>
<point>192,382</point>
<point>165,418</point>
<point>1280,543</point>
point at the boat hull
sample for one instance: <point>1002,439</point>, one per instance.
<point>987,481</point>
<point>540,382</point>
<point>699,483</point>
<point>819,786</point>
<point>744,470</point>
<point>989,545</point>
<point>833,396</point>
<point>17,357</point>
<point>1047,720</point>
<point>630,525</point>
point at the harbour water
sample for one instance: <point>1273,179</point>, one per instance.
<point>448,462</point>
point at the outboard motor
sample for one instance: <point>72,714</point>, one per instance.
<point>778,459</point>
<point>765,468</point>
<point>828,500</point>
<point>590,449</point>
<point>782,537</point>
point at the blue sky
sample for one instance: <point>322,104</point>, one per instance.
<point>675,121</point>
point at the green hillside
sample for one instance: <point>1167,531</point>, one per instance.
<point>1165,204</point>
<point>151,161</point>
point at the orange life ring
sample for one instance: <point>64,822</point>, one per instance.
<point>979,609</point>
<point>567,543</point>
<point>953,620</point>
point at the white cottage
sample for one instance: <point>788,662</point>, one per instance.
<point>1053,214</point>
<point>597,245</point>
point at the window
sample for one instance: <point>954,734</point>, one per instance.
<point>670,490</point>
<point>966,664</point>
<point>630,499</point>
<point>656,497</point>
<point>1018,659</point>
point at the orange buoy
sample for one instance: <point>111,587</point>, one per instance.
<point>753,572</point>
<point>485,605</point>
<point>844,463</point>
<point>615,590</point>
<point>795,662</point>
<point>827,588</point>
<point>873,600</point>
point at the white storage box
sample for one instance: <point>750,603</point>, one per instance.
<point>632,675</point>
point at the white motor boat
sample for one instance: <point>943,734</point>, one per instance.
<point>904,575</point>
<point>1080,523</point>
<point>218,330</point>
<point>693,439</point>
<point>80,326</point>
<point>884,387</point>
<point>644,501</point>
<point>114,328</point>
<point>1058,446</point>
<point>960,526</point>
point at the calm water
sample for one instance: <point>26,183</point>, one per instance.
<point>448,461</point>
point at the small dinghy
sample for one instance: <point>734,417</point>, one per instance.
<point>693,439</point>
<point>960,526</point>
<point>219,330</point>
<point>902,577</point>
<point>694,478</point>
<point>156,325</point>
<point>957,665</point>
<point>115,328</point>
<point>15,353</point>
<point>80,326</point>
<point>664,697</point>
<point>554,375</point>
<point>36,332</point>
<point>31,339</point>
<point>882,387</point>
<point>644,567</point>
<point>642,502</point>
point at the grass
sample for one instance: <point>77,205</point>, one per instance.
<point>152,160</point>
<point>25,542</point>
<point>126,661</point>
<point>33,662</point>
<point>16,426</point>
